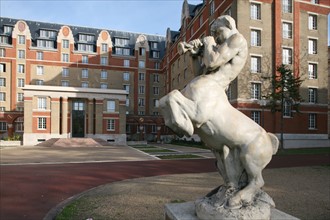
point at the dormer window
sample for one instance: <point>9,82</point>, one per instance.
<point>8,30</point>
<point>86,38</point>
<point>48,34</point>
<point>154,45</point>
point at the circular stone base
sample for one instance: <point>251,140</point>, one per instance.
<point>213,207</point>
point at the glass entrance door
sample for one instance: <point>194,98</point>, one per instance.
<point>78,118</point>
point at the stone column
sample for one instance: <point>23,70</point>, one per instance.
<point>99,116</point>
<point>64,115</point>
<point>90,112</point>
<point>55,115</point>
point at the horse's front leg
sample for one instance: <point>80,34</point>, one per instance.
<point>178,113</point>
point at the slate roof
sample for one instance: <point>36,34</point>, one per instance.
<point>35,26</point>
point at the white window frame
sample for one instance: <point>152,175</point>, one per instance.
<point>312,21</point>
<point>3,126</point>
<point>287,56</point>
<point>2,96</point>
<point>287,30</point>
<point>42,103</point>
<point>104,60</point>
<point>256,90</point>
<point>287,6</point>
<point>111,106</point>
<point>104,47</point>
<point>111,125</point>
<point>126,63</point>
<point>84,59</point>
<point>65,72</point>
<point>40,70</point>
<point>65,43</point>
<point>21,39</point>
<point>255,11</point>
<point>20,68</point>
<point>20,97</point>
<point>104,74</point>
<point>312,95</point>
<point>65,57</point>
<point>312,121</point>
<point>126,76</point>
<point>42,123</point>
<point>255,64</point>
<point>312,46</point>
<point>312,70</point>
<point>255,37</point>
<point>255,116</point>
<point>84,73</point>
<point>40,55</point>
<point>20,83</point>
<point>84,84</point>
<point>64,83</point>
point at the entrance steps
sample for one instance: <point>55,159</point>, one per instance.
<point>74,142</point>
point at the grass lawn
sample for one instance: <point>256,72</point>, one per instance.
<point>143,146</point>
<point>156,150</point>
<point>178,156</point>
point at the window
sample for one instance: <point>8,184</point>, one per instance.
<point>126,63</point>
<point>212,7</point>
<point>287,6</point>
<point>20,109</point>
<point>104,74</point>
<point>255,38</point>
<point>255,115</point>
<point>86,47</point>
<point>141,76</point>
<point>122,42</point>
<point>47,33</point>
<point>312,22</point>
<point>20,97</point>
<point>2,96</point>
<point>2,82</point>
<point>154,45</point>
<point>255,11</point>
<point>111,106</point>
<point>40,55</point>
<point>20,83</point>
<point>39,82</point>
<point>19,124</point>
<point>104,60</point>
<point>8,30</point>
<point>200,21</point>
<point>312,46</point>
<point>256,91</point>
<point>142,51</point>
<point>104,85</point>
<point>21,54</point>
<point>155,54</point>
<point>127,103</point>
<point>156,103</point>
<point>65,57</point>
<point>140,112</point>
<point>156,78</point>
<point>40,70</point>
<point>287,111</point>
<point>65,43</point>
<point>2,109</point>
<point>153,128</point>
<point>21,39</point>
<point>65,72</point>
<point>2,52</point>
<point>126,76</point>
<point>42,103</point>
<point>84,59</point>
<point>3,126</point>
<point>156,90</point>
<point>287,30</point>
<point>4,40</point>
<point>126,88</point>
<point>41,123</point>
<point>141,102</point>
<point>110,124</point>
<point>312,71</point>
<point>315,1</point>
<point>65,83</point>
<point>312,121</point>
<point>84,73</point>
<point>255,64</point>
<point>141,89</point>
<point>122,51</point>
<point>2,67</point>
<point>312,95</point>
<point>141,64</point>
<point>104,47</point>
<point>157,65</point>
<point>287,56</point>
<point>86,38</point>
<point>84,84</point>
<point>45,44</point>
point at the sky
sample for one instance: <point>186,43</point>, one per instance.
<point>141,16</point>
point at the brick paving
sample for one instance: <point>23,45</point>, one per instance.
<point>30,191</point>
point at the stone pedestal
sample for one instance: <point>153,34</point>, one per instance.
<point>185,211</point>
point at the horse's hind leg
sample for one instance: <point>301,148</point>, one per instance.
<point>174,109</point>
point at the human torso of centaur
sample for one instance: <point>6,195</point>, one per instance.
<point>217,122</point>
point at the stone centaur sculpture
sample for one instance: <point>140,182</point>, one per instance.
<point>242,148</point>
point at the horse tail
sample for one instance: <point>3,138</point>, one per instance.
<point>275,142</point>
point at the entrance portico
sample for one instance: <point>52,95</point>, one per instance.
<point>65,112</point>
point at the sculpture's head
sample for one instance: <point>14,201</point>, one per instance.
<point>222,28</point>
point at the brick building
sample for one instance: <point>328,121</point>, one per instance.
<point>291,32</point>
<point>78,82</point>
